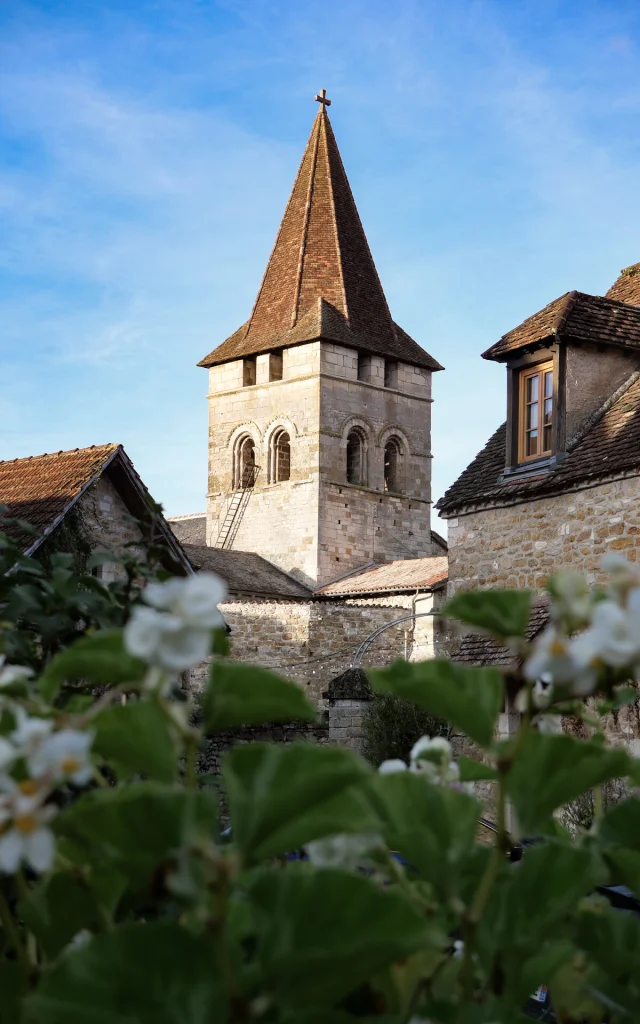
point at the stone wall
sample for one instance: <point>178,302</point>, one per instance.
<point>313,642</point>
<point>106,522</point>
<point>522,545</point>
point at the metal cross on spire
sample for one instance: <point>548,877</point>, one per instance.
<point>322,99</point>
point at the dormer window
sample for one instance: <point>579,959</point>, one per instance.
<point>535,424</point>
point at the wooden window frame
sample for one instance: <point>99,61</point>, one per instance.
<point>537,370</point>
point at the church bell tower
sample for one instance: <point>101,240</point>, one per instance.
<point>320,405</point>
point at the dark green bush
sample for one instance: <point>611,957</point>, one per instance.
<point>392,725</point>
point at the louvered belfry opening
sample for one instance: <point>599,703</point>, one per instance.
<point>355,458</point>
<point>246,463</point>
<point>281,457</point>
<point>392,465</point>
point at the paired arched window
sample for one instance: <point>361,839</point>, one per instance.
<point>280,457</point>
<point>245,469</point>
<point>393,465</point>
<point>356,457</point>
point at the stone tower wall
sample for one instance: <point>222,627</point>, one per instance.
<point>316,525</point>
<point>521,546</point>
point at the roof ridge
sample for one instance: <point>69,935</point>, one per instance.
<point>307,216</point>
<point>335,219</point>
<point>564,311</point>
<point>61,451</point>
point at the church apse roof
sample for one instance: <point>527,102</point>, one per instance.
<point>321,281</point>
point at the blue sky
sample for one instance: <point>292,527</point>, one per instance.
<point>147,150</point>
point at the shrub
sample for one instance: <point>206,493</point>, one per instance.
<point>391,727</point>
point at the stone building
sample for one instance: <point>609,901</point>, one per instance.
<point>558,483</point>
<point>83,501</point>
<point>320,405</point>
<point>312,635</point>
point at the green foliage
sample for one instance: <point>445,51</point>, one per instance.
<point>468,698</point>
<point>147,914</point>
<point>391,726</point>
<point>238,695</point>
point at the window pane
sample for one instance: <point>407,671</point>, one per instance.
<point>548,384</point>
<point>532,388</point>
<point>548,407</point>
<point>532,442</point>
<point>532,416</point>
<point>547,438</point>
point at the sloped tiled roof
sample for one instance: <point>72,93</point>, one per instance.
<point>247,574</point>
<point>405,574</point>
<point>627,286</point>
<point>321,281</point>
<point>609,446</point>
<point>190,529</point>
<point>478,649</point>
<point>576,315</point>
<point>40,488</point>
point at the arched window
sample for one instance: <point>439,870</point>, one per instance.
<point>356,457</point>
<point>245,463</point>
<point>393,465</point>
<point>280,457</point>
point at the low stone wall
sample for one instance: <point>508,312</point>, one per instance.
<point>210,758</point>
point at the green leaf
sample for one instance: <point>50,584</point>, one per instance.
<point>620,826</point>
<point>59,908</point>
<point>220,645</point>
<point>100,659</point>
<point>135,739</point>
<point>549,771</point>
<point>135,828</point>
<point>323,933</point>
<point>468,698</point>
<point>625,867</point>
<point>281,797</point>
<point>503,613</point>
<point>239,695</point>
<point>432,826</point>
<point>153,973</point>
<point>13,985</point>
<point>475,771</point>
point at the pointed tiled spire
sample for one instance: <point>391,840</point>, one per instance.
<point>321,258</point>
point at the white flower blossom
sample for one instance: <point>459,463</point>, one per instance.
<point>8,753</point>
<point>540,695</point>
<point>393,765</point>
<point>624,575</point>
<point>12,673</point>
<point>24,833</point>
<point>64,755</point>
<point>549,725</point>
<point>193,600</point>
<point>342,851</point>
<point>433,747</point>
<point>29,732</point>
<point>571,598</point>
<point>550,658</point>
<point>161,638</point>
<point>609,639</point>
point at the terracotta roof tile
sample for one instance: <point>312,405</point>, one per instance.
<point>401,575</point>
<point>39,489</point>
<point>576,315</point>
<point>609,446</point>
<point>321,281</point>
<point>627,287</point>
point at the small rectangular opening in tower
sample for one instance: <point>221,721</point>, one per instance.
<point>248,372</point>
<point>390,373</point>
<point>364,367</point>
<point>275,365</point>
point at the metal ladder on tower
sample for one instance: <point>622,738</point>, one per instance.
<point>236,509</point>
